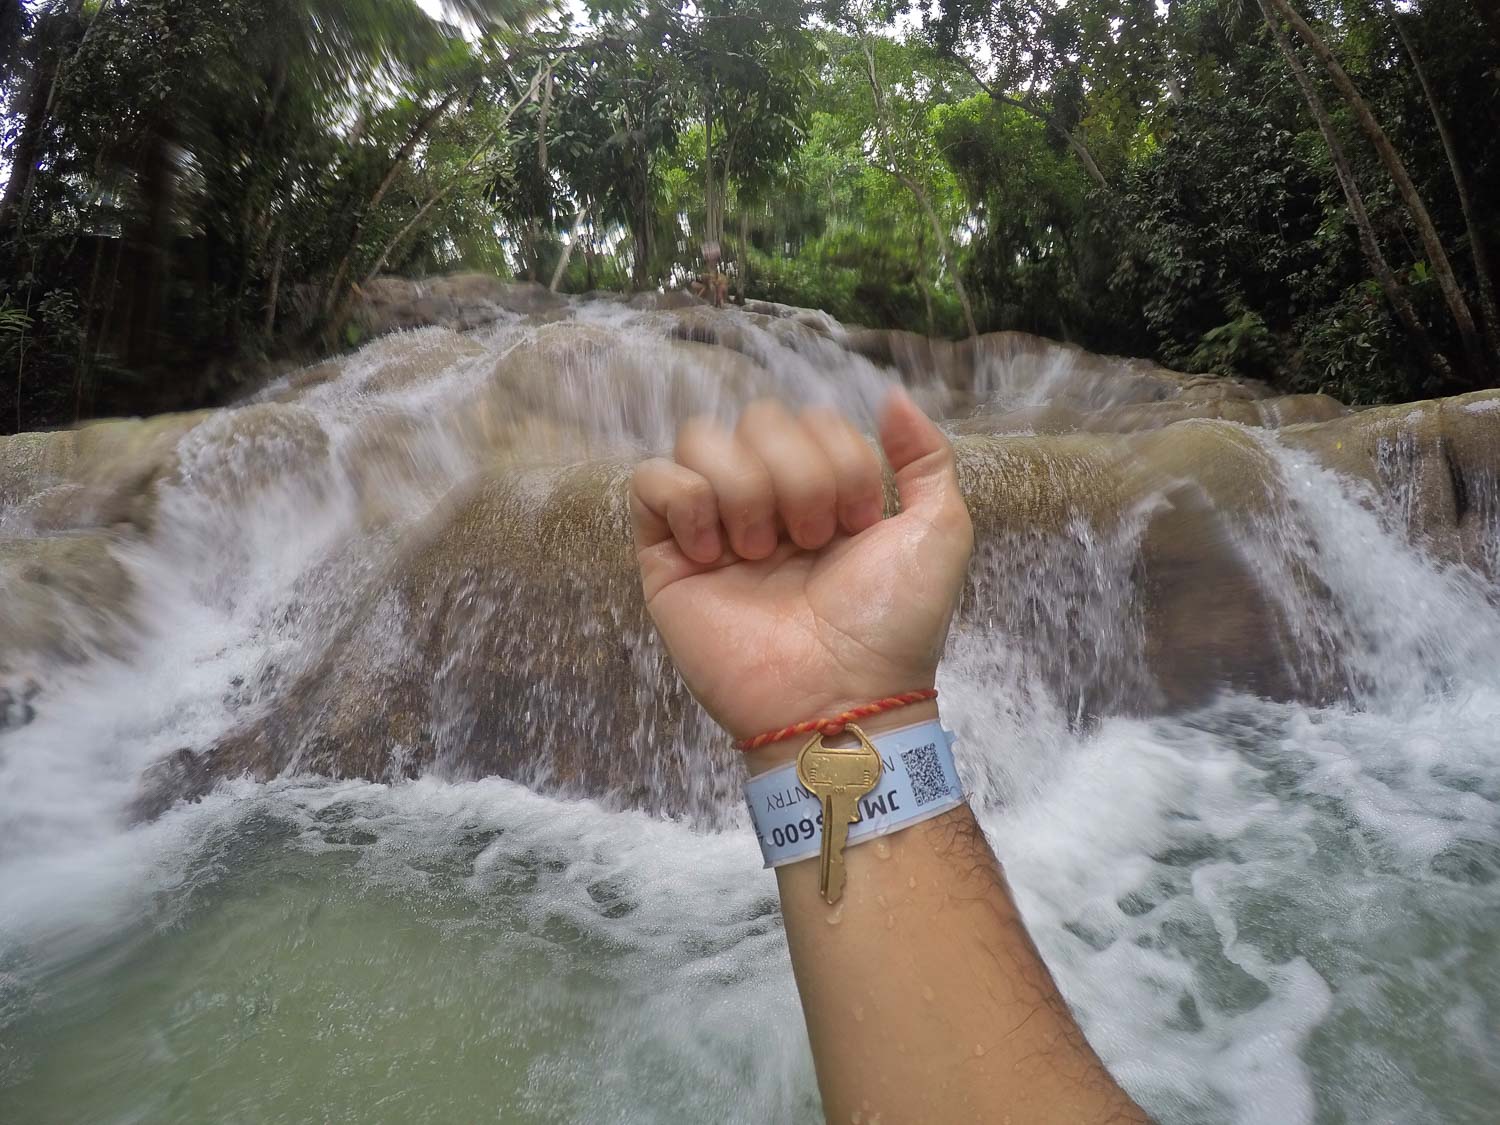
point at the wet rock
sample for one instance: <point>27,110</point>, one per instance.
<point>66,598</point>
<point>493,622</point>
<point>528,654</point>
<point>459,302</point>
<point>1435,465</point>
<point>181,776</point>
<point>919,359</point>
<point>527,651</point>
<point>16,708</point>
<point>666,301</point>
<point>1167,505</point>
<point>102,474</point>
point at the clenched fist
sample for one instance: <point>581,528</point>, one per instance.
<point>780,589</point>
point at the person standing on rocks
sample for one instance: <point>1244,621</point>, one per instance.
<point>715,286</point>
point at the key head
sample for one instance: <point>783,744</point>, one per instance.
<point>845,771</point>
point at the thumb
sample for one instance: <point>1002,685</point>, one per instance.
<point>920,456</point>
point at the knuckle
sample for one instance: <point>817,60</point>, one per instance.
<point>696,493</point>
<point>748,487</point>
<point>862,467</point>
<point>759,431</point>
<point>763,411</point>
<point>644,475</point>
<point>695,436</point>
<point>813,488</point>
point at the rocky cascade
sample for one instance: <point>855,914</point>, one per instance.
<point>426,541</point>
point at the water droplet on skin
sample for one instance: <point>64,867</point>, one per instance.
<point>890,921</point>
<point>856,1117</point>
<point>928,994</point>
<point>836,915</point>
<point>882,849</point>
<point>978,1050</point>
<point>859,1013</point>
<point>880,900</point>
<point>912,882</point>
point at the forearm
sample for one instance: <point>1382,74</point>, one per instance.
<point>785,594</point>
<point>924,997</point>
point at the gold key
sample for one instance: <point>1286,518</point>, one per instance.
<point>838,776</point>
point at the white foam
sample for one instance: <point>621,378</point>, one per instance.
<point>1264,912</point>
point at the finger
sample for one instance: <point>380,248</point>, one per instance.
<point>668,501</point>
<point>801,475</point>
<point>920,456</point>
<point>856,468</point>
<point>741,485</point>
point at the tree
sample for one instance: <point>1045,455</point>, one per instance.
<point>1044,59</point>
<point>751,68</point>
<point>1394,292</point>
<point>1421,218</point>
<point>1478,245</point>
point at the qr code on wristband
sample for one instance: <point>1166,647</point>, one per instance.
<point>925,769</point>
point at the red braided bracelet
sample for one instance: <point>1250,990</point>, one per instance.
<point>839,721</point>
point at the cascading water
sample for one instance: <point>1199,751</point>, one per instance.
<point>1229,724</point>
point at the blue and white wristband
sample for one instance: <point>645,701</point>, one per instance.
<point>919,782</point>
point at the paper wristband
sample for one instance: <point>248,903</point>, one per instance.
<point>919,781</point>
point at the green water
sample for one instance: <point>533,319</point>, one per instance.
<point>1262,914</point>
<point>312,971</point>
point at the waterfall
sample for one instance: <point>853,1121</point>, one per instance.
<point>338,759</point>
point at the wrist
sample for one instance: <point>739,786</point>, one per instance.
<point>776,754</point>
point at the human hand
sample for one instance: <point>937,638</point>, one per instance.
<point>780,591</point>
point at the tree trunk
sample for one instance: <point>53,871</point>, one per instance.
<point>156,181</point>
<point>947,249</point>
<point>589,278</point>
<point>710,184</point>
<point>742,274</point>
<point>541,121</point>
<point>28,148</point>
<point>41,92</point>
<point>87,335</point>
<point>916,189</point>
<point>336,320</point>
<point>1442,268</point>
<point>1068,137</point>
<point>1071,139</point>
<point>922,279</point>
<point>339,314</point>
<point>1478,249</point>
<point>1394,293</point>
<point>641,221</point>
<point>640,237</point>
<point>273,293</point>
<point>562,261</point>
<point>398,161</point>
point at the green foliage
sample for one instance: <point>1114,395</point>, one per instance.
<point>1221,217</point>
<point>1353,351</point>
<point>197,183</point>
<point>14,323</point>
<point>1243,346</point>
<point>860,277</point>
